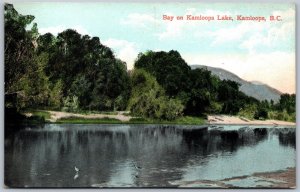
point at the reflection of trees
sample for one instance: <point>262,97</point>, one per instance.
<point>209,141</point>
<point>287,139</point>
<point>161,151</point>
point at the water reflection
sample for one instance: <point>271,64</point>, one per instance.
<point>149,156</point>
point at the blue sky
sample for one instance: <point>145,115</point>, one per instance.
<point>260,51</point>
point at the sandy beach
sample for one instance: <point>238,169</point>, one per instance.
<point>235,120</point>
<point>55,115</point>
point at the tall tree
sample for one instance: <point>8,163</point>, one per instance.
<point>24,76</point>
<point>170,70</point>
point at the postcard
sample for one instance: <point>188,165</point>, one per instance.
<point>150,95</point>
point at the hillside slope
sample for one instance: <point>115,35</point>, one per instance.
<point>255,89</point>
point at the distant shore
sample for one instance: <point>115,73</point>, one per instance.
<point>235,120</point>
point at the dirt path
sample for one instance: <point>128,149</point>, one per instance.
<point>234,120</point>
<point>56,115</point>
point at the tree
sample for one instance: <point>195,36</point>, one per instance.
<point>81,87</point>
<point>169,69</point>
<point>55,95</point>
<point>24,69</point>
<point>148,98</point>
<point>203,92</point>
<point>87,69</point>
<point>287,102</point>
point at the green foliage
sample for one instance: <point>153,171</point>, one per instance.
<point>76,120</point>
<point>55,95</point>
<point>75,72</point>
<point>169,69</point>
<point>19,47</point>
<point>287,102</point>
<point>170,109</point>
<point>120,103</point>
<point>98,78</point>
<point>148,99</point>
<point>24,75</point>
<point>70,104</point>
<point>214,108</point>
<point>80,87</point>
<point>203,92</point>
<point>282,115</point>
<point>184,120</point>
<point>261,113</point>
<point>38,113</point>
<point>40,70</point>
<point>248,111</point>
<point>284,110</point>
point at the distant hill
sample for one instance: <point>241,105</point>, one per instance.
<point>254,89</point>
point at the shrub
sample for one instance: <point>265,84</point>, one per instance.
<point>248,111</point>
<point>70,104</point>
<point>148,99</point>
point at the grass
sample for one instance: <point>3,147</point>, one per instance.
<point>187,120</point>
<point>88,112</point>
<point>38,113</point>
<point>76,120</point>
<point>44,114</point>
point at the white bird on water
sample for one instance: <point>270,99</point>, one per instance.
<point>76,176</point>
<point>76,169</point>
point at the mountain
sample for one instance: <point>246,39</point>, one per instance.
<point>254,89</point>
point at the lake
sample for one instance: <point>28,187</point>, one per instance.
<point>146,155</point>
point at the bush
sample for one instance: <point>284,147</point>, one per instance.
<point>170,109</point>
<point>261,113</point>
<point>148,99</point>
<point>71,104</point>
<point>248,111</point>
<point>282,115</point>
<point>214,108</point>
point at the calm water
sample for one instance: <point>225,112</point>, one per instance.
<point>142,156</point>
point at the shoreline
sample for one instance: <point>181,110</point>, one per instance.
<point>236,120</point>
<point>280,179</point>
<point>123,117</point>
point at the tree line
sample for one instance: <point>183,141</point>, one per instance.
<point>75,72</point>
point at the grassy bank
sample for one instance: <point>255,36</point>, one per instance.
<point>76,120</point>
<point>187,120</point>
<point>43,114</point>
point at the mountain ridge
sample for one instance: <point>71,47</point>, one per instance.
<point>256,89</point>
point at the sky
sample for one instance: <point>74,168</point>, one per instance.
<point>255,51</point>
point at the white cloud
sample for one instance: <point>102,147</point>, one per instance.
<point>276,36</point>
<point>173,29</point>
<point>140,20</point>
<point>236,33</point>
<point>60,28</point>
<point>251,35</point>
<point>125,50</point>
